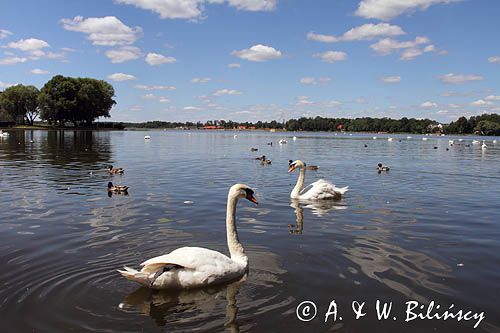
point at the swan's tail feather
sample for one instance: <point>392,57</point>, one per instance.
<point>134,275</point>
<point>342,190</point>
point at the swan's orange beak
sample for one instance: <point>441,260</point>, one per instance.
<point>292,167</point>
<point>251,198</point>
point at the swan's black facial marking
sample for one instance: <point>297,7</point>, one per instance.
<point>249,195</point>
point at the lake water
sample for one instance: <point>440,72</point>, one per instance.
<point>427,230</point>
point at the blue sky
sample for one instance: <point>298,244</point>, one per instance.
<point>178,60</point>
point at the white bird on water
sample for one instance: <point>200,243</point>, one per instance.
<point>494,141</point>
<point>319,190</point>
<point>475,142</point>
<point>425,139</point>
<point>195,267</point>
<point>484,146</point>
<point>294,138</point>
<point>390,139</point>
<point>147,137</point>
<point>283,142</point>
<point>374,138</point>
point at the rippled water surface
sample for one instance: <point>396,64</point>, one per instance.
<point>426,230</point>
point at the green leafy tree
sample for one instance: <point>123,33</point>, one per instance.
<point>20,103</point>
<point>75,100</point>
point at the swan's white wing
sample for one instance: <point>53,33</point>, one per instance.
<point>188,257</point>
<point>322,189</point>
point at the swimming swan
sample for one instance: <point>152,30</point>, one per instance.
<point>319,190</point>
<point>194,267</point>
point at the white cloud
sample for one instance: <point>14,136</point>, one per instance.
<point>200,80</point>
<point>481,103</point>
<point>4,85</point>
<point>222,92</point>
<point>192,108</point>
<point>304,100</point>
<point>39,71</point>
<point>315,81</point>
<point>391,79</point>
<point>119,77</point>
<point>429,48</point>
<point>234,65</point>
<point>388,9</point>
<point>331,56</point>
<point>410,54</point>
<point>4,33</point>
<point>107,31</point>
<point>163,99</point>
<point>428,105</point>
<point>193,9</point>
<point>492,98</point>
<point>12,60</point>
<point>442,112</point>
<point>258,53</point>
<point>28,45</point>
<point>364,32</point>
<point>149,96</point>
<point>125,53</point>
<point>253,5</point>
<point>155,59</point>
<point>459,78</point>
<point>494,60</point>
<point>410,49</point>
<point>156,87</point>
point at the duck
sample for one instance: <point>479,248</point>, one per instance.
<point>381,167</point>
<point>117,188</point>
<point>484,146</point>
<point>265,162</point>
<point>196,267</point>
<point>254,149</point>
<point>390,139</point>
<point>261,158</point>
<point>115,171</point>
<point>451,142</point>
<point>283,142</point>
<point>308,167</point>
<point>269,143</point>
<point>147,137</point>
<point>319,190</point>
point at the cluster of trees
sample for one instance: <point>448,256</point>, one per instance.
<point>367,124</point>
<point>62,100</point>
<point>486,124</point>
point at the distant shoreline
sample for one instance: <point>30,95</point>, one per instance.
<point>270,130</point>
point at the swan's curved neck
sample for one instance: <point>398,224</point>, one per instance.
<point>300,183</point>
<point>233,243</point>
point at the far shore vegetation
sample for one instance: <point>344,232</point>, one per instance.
<point>76,103</point>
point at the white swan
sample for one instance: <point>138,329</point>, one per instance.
<point>147,137</point>
<point>484,146</point>
<point>494,141</point>
<point>424,139</point>
<point>319,190</point>
<point>194,267</point>
<point>390,139</point>
<point>476,142</point>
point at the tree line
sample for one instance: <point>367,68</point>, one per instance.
<point>61,100</point>
<point>486,124</point>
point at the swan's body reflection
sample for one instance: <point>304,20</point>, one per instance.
<point>318,207</point>
<point>199,303</point>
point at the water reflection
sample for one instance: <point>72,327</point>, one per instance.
<point>318,207</point>
<point>164,306</point>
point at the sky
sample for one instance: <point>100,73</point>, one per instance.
<point>250,60</point>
